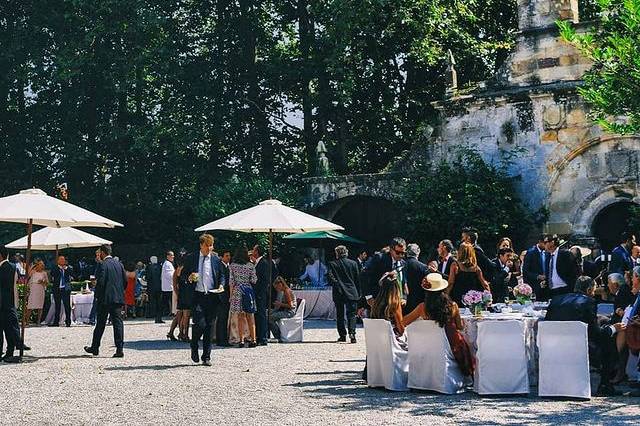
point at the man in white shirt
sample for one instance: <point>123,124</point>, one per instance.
<point>166,280</point>
<point>315,272</point>
<point>562,270</point>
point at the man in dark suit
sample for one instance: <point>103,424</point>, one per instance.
<point>222,314</point>
<point>622,295</point>
<point>111,284</point>
<point>204,268</point>
<point>415,272</point>
<point>262,293</point>
<point>621,260</point>
<point>61,287</point>
<point>470,235</point>
<point>580,306</point>
<point>154,287</point>
<point>8,313</point>
<point>344,278</point>
<point>362,258</point>
<point>561,268</point>
<point>445,258</point>
<point>503,277</point>
<point>534,268</point>
<point>381,263</point>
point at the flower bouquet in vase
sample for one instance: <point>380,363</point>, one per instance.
<point>477,301</point>
<point>522,293</point>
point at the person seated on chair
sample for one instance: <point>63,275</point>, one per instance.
<point>283,307</point>
<point>437,306</point>
<point>581,306</point>
<point>388,305</point>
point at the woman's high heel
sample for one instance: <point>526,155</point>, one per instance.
<point>171,337</point>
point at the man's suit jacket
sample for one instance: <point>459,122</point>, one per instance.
<point>58,275</point>
<point>376,267</point>
<point>191,265</point>
<point>344,278</point>
<point>532,268</point>
<point>154,278</point>
<point>262,272</point>
<point>224,297</point>
<point>415,271</point>
<point>486,265</point>
<point>623,299</point>
<point>500,282</point>
<point>621,261</point>
<point>7,283</point>
<point>112,282</point>
<point>578,307</point>
<point>565,268</point>
<point>447,268</point>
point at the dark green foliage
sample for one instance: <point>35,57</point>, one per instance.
<point>466,191</point>
<point>611,86</point>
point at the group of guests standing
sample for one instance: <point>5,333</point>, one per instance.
<point>225,295</point>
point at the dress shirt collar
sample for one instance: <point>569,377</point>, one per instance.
<point>2,263</point>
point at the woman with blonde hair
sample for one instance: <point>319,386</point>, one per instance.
<point>38,282</point>
<point>465,274</point>
<point>388,303</point>
<point>283,307</point>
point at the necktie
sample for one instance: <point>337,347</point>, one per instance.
<point>549,269</point>
<point>200,274</point>
<point>543,259</point>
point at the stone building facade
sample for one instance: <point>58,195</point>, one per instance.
<point>531,117</point>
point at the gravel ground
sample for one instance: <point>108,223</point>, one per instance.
<point>316,382</point>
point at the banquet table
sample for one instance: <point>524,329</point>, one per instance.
<point>319,303</point>
<point>470,333</point>
<point>80,309</point>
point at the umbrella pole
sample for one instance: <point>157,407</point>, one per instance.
<point>26,287</point>
<point>270,279</point>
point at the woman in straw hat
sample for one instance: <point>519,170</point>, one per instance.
<point>438,307</point>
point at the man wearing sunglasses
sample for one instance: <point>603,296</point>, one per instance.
<point>389,259</point>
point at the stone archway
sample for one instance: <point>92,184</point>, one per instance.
<point>610,222</point>
<point>600,172</point>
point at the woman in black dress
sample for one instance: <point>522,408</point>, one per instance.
<point>465,274</point>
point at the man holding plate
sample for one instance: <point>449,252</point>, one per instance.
<point>204,269</point>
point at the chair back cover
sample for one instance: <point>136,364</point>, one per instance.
<point>292,329</point>
<point>563,359</point>
<point>431,362</point>
<point>501,358</point>
<point>387,363</point>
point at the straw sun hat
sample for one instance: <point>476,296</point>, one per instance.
<point>434,282</point>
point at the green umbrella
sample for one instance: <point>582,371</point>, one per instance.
<point>324,235</point>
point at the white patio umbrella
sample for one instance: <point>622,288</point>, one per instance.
<point>57,239</point>
<point>35,207</point>
<point>271,216</point>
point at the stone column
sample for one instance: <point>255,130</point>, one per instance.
<point>543,13</point>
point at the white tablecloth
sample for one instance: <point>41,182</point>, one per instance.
<point>319,303</point>
<point>530,331</point>
<point>80,309</point>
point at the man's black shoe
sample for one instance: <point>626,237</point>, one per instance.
<point>342,339</point>
<point>262,343</point>
<point>353,338</point>
<point>225,345</point>
<point>206,363</point>
<point>25,348</point>
<point>118,354</point>
<point>195,356</point>
<point>90,350</point>
<point>159,322</point>
<point>12,359</point>
<point>607,390</point>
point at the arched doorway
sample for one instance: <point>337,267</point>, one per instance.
<point>612,221</point>
<point>371,219</point>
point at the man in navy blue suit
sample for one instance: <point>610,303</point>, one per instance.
<point>205,270</point>
<point>61,286</point>
<point>621,260</point>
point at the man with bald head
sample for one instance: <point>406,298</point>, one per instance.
<point>61,286</point>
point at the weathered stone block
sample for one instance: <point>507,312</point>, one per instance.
<point>549,136</point>
<point>571,136</point>
<point>577,117</point>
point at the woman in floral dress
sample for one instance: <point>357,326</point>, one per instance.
<point>242,277</point>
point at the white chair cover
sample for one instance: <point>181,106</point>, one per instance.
<point>605,308</point>
<point>431,362</point>
<point>501,358</point>
<point>387,363</point>
<point>563,359</point>
<point>291,329</point>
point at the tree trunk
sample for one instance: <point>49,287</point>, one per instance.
<point>305,26</point>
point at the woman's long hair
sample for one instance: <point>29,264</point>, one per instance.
<point>437,306</point>
<point>467,256</point>
<point>387,301</point>
<point>241,255</point>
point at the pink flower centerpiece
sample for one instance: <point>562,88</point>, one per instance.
<point>522,293</point>
<point>477,301</point>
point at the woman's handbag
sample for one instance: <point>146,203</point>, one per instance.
<point>248,300</point>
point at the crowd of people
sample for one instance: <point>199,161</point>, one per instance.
<point>224,297</point>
